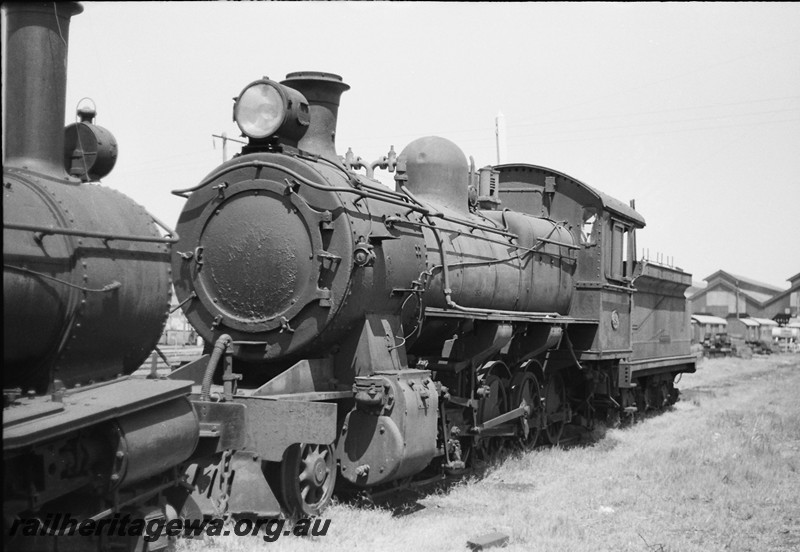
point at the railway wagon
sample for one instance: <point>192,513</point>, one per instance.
<point>711,332</point>
<point>756,332</point>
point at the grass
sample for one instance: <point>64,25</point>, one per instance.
<point>720,471</point>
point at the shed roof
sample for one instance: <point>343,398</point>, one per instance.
<point>765,321</point>
<point>751,322</point>
<point>708,319</point>
<point>743,280</point>
<point>756,283</point>
<point>760,297</point>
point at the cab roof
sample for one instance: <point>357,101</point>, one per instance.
<point>603,200</point>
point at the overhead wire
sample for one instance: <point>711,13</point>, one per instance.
<point>672,131</point>
<point>667,79</point>
<point>651,112</point>
<point>489,136</point>
<point>666,122</point>
<point>616,93</point>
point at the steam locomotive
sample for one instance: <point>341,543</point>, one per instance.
<point>358,336</point>
<point>86,290</point>
<point>369,334</point>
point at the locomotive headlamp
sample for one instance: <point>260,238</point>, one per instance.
<point>259,111</point>
<point>266,109</point>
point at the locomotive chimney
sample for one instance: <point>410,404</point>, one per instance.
<point>35,84</point>
<point>322,90</point>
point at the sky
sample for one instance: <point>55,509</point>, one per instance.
<point>691,109</point>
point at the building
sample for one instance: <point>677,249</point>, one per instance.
<point>728,295</point>
<point>785,305</point>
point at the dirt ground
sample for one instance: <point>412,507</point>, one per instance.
<point>719,471</point>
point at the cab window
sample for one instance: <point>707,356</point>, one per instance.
<point>618,251</point>
<point>588,235</point>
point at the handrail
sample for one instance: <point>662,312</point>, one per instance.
<point>47,230</point>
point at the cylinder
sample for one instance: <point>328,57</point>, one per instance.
<point>395,436</point>
<point>156,439</point>
<point>35,84</point>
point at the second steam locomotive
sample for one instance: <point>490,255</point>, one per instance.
<point>372,334</point>
<point>86,290</point>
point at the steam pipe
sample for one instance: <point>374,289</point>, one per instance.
<point>35,84</point>
<point>219,348</point>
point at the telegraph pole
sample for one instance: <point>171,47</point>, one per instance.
<point>500,136</point>
<point>225,140</point>
<point>737,300</point>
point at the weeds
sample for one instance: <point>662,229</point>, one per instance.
<point>653,547</point>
